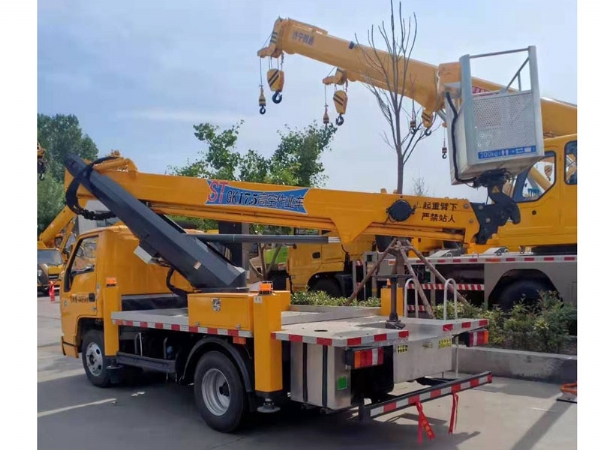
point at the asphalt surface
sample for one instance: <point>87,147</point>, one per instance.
<point>73,414</point>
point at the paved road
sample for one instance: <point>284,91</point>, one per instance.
<point>72,415</point>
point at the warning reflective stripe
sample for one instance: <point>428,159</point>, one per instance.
<point>460,287</point>
<point>342,342</point>
<point>185,328</point>
<point>493,259</point>
<point>412,308</point>
<point>413,400</point>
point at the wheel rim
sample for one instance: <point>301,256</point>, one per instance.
<point>215,392</point>
<point>93,359</point>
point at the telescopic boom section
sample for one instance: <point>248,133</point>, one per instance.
<point>350,214</point>
<point>202,266</point>
<point>420,80</point>
<point>47,237</point>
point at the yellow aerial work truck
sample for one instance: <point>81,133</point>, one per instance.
<point>150,295</point>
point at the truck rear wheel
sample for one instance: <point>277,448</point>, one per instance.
<point>219,392</point>
<point>94,360</point>
<point>330,287</point>
<point>527,291</point>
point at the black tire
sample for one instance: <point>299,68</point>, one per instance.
<point>279,280</point>
<point>92,350</point>
<point>330,287</point>
<point>216,364</point>
<point>515,291</point>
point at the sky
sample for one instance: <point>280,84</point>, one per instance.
<point>139,74</point>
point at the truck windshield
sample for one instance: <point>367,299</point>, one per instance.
<point>49,257</point>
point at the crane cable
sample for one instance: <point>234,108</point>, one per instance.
<point>325,115</point>
<point>262,101</point>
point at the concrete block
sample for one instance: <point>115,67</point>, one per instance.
<point>533,366</point>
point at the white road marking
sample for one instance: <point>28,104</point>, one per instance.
<point>68,408</point>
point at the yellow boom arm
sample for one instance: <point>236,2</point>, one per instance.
<point>65,217</point>
<point>365,65</point>
<point>47,238</point>
<point>350,214</point>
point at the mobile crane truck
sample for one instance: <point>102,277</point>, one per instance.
<point>148,295</point>
<point>546,191</point>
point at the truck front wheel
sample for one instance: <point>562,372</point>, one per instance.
<point>94,360</point>
<point>219,392</point>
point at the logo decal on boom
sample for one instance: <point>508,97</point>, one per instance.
<point>221,193</point>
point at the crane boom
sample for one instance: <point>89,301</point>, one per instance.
<point>350,214</point>
<point>47,237</point>
<point>369,66</point>
<point>202,266</point>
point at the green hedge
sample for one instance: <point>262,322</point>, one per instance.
<point>322,299</point>
<point>543,327</point>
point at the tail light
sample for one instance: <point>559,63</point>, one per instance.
<point>475,338</point>
<point>360,358</point>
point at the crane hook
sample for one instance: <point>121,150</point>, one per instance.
<point>339,120</point>
<point>277,97</point>
<point>262,102</point>
<point>326,117</point>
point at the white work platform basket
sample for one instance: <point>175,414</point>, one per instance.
<point>494,130</point>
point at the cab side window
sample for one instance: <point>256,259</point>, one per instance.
<point>571,163</point>
<point>539,179</point>
<point>84,260</point>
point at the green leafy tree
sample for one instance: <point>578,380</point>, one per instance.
<point>297,159</point>
<point>50,195</point>
<point>60,135</point>
<point>295,162</point>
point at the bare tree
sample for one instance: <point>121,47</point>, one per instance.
<point>420,187</point>
<point>393,69</point>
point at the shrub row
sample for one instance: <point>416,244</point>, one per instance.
<point>543,327</point>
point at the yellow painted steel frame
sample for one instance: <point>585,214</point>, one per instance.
<point>62,219</point>
<point>259,314</point>
<point>386,301</point>
<point>349,213</point>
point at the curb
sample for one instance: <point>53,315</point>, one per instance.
<point>532,366</point>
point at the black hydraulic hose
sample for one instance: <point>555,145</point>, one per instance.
<point>179,292</point>
<point>452,128</point>
<point>71,194</point>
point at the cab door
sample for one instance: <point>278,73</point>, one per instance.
<point>79,293</point>
<point>569,195</point>
<point>536,193</point>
